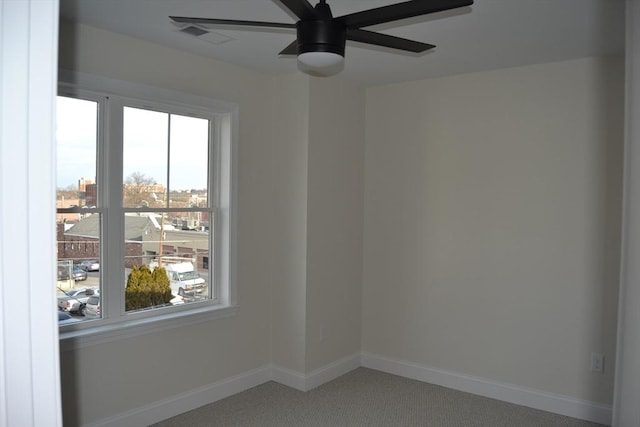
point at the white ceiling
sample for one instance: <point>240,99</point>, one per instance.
<point>488,35</point>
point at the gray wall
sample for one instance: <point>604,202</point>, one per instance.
<point>492,224</point>
<point>289,243</point>
<point>335,212</point>
<point>319,171</point>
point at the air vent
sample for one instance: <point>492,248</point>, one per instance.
<point>194,31</point>
<point>205,34</point>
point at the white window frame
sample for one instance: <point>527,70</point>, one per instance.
<point>114,95</point>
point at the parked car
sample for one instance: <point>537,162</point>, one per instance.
<point>79,274</point>
<point>92,307</point>
<point>90,265</point>
<point>74,301</point>
<point>66,318</point>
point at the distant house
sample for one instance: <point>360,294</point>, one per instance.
<point>81,241</point>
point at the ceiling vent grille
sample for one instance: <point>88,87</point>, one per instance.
<point>194,31</point>
<point>205,34</point>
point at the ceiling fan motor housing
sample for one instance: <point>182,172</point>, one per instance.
<point>321,36</point>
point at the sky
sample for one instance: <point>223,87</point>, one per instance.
<point>145,140</point>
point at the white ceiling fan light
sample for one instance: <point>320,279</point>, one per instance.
<point>320,64</point>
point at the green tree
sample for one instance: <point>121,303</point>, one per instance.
<point>163,287</point>
<point>147,289</point>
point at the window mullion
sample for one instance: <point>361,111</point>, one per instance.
<point>113,223</point>
<point>215,248</point>
<point>168,183</point>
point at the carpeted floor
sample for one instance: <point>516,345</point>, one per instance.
<point>365,397</point>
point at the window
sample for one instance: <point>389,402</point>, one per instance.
<point>143,206</point>
<point>166,159</point>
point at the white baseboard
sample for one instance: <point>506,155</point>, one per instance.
<point>288,377</point>
<point>170,407</point>
<point>332,371</point>
<point>550,402</point>
<point>175,405</point>
<point>316,377</point>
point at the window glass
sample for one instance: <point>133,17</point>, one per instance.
<point>188,161</point>
<point>165,167</point>
<point>165,159</point>
<point>77,220</point>
<point>145,151</point>
<point>164,261</point>
<point>76,136</point>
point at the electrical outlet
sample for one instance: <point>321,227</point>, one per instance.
<point>597,362</point>
<point>323,333</point>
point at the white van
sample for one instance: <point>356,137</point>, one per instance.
<point>184,279</point>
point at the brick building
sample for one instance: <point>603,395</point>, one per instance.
<point>143,237</point>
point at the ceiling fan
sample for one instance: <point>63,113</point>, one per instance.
<point>321,38</point>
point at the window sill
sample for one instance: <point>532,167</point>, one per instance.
<point>104,333</point>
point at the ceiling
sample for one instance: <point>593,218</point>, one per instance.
<point>488,35</point>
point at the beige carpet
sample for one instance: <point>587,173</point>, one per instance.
<point>365,397</point>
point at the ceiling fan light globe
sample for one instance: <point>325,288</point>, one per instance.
<point>320,64</point>
<point>320,59</point>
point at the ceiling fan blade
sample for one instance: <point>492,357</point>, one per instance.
<point>230,22</point>
<point>292,49</point>
<point>301,8</point>
<point>385,40</point>
<point>399,11</point>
